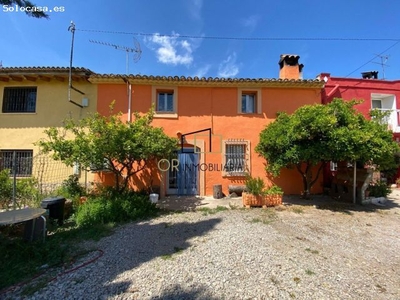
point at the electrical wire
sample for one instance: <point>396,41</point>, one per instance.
<point>241,38</point>
<point>377,55</point>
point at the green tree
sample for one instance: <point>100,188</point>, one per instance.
<point>123,148</point>
<point>29,8</point>
<point>316,134</point>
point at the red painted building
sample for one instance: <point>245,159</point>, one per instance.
<point>375,93</point>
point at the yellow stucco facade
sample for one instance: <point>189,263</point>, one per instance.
<point>21,127</point>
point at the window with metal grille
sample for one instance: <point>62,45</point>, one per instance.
<point>22,160</point>
<point>236,158</point>
<point>19,99</point>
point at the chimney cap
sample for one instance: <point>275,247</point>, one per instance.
<point>289,59</point>
<point>370,75</point>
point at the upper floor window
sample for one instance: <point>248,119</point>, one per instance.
<point>19,100</point>
<point>249,101</point>
<point>20,159</point>
<point>376,103</point>
<point>165,101</point>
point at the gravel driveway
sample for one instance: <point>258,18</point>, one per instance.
<point>317,250</point>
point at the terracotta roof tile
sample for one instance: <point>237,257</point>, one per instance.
<point>43,70</point>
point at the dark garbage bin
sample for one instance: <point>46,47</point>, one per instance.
<point>55,208</point>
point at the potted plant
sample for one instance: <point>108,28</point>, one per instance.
<point>254,194</point>
<point>273,196</point>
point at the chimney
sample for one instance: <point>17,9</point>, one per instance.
<point>289,67</point>
<point>370,75</point>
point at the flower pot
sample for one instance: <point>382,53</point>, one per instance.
<point>273,200</point>
<point>252,200</point>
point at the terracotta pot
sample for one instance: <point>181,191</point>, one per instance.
<point>274,200</point>
<point>253,200</point>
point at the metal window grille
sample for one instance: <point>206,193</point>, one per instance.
<point>236,157</point>
<point>19,99</point>
<point>23,162</point>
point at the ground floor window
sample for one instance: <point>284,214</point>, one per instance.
<point>20,159</point>
<point>236,158</point>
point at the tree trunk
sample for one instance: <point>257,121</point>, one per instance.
<point>307,178</point>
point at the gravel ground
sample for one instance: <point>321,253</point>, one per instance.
<point>312,251</point>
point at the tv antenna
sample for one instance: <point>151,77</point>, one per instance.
<point>384,59</point>
<point>136,50</point>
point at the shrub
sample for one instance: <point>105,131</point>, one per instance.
<point>255,186</point>
<point>379,189</point>
<point>112,207</point>
<point>27,192</point>
<point>6,189</point>
<point>274,190</point>
<point>71,187</point>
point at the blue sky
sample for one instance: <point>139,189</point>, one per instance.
<point>26,41</point>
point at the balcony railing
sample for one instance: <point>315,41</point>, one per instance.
<point>392,120</point>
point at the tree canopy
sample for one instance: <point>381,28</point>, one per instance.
<point>315,134</point>
<point>123,148</point>
<point>29,8</point>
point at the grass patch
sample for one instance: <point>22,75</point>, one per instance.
<point>267,216</point>
<point>297,209</point>
<point>96,218</point>
<point>309,272</point>
<point>166,256</point>
<point>30,289</point>
<point>312,251</point>
<point>170,256</point>
<point>297,280</point>
<point>21,260</point>
<point>211,211</point>
<point>255,220</point>
<point>274,280</point>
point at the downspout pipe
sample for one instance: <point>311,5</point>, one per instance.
<point>129,91</point>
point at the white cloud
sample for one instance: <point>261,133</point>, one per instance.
<point>195,9</point>
<point>201,72</point>
<point>170,50</point>
<point>251,22</point>
<point>229,67</point>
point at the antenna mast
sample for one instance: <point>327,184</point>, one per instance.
<point>384,59</point>
<point>137,50</point>
<point>72,29</point>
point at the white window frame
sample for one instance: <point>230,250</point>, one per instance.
<point>246,158</point>
<point>156,90</point>
<point>257,99</point>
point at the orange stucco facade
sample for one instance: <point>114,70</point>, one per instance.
<point>216,104</point>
